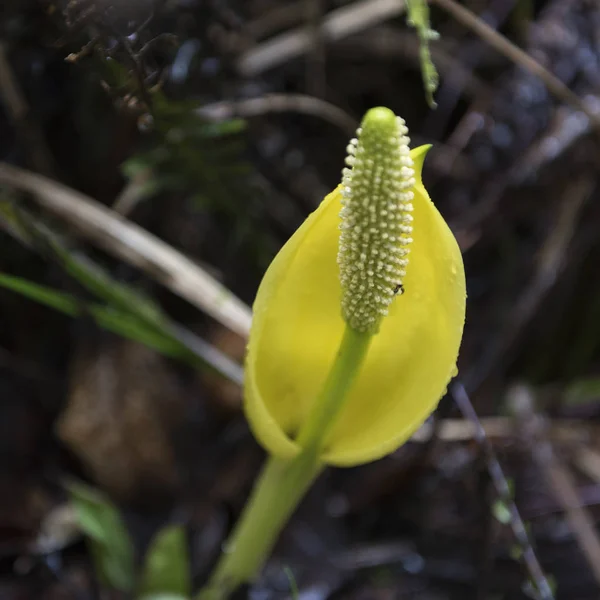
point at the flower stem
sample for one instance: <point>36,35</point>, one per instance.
<point>283,483</point>
<point>339,382</point>
<point>276,494</point>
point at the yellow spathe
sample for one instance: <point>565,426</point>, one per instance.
<point>297,328</point>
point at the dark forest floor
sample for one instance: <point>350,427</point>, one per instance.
<point>513,169</point>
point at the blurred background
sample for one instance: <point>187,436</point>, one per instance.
<point>216,127</point>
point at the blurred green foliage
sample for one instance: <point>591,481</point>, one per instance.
<point>418,17</point>
<point>110,545</point>
<point>166,568</point>
<point>164,574</point>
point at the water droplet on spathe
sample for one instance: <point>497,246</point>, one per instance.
<point>227,547</point>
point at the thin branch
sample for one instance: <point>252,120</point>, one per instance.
<point>557,475</point>
<point>133,192</point>
<point>566,431</point>
<point>530,559</point>
<point>338,24</point>
<point>135,245</point>
<point>278,17</point>
<point>280,103</point>
<point>138,72</point>
<point>518,56</point>
<point>587,460</point>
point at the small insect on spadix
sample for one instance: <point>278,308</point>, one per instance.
<point>399,290</point>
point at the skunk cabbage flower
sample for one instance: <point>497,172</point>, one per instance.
<point>375,256</point>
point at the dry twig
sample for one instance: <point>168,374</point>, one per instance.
<point>337,24</point>
<point>587,460</point>
<point>503,490</point>
<point>39,238</point>
<point>280,103</point>
<point>133,244</point>
<point>568,431</point>
<point>278,17</point>
<point>132,192</point>
<point>557,475</point>
<point>518,56</point>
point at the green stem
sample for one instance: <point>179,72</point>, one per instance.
<point>330,401</point>
<point>283,483</point>
<point>276,494</point>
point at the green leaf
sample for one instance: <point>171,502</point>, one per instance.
<point>41,294</point>
<point>119,322</point>
<point>515,552</point>
<point>166,569</point>
<point>100,283</point>
<point>231,127</point>
<point>501,512</point>
<point>130,315</point>
<point>164,597</point>
<point>293,584</point>
<point>418,17</point>
<point>139,172</point>
<point>110,544</point>
<point>582,391</point>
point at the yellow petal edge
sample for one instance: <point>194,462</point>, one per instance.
<point>297,327</point>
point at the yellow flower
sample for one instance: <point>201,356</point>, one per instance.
<point>298,325</point>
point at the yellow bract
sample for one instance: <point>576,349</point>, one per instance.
<point>297,328</point>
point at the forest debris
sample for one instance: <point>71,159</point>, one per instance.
<point>557,475</point>
<point>518,56</point>
<point>588,461</point>
<point>536,572</point>
<point>59,528</point>
<point>461,430</point>
<point>120,413</point>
